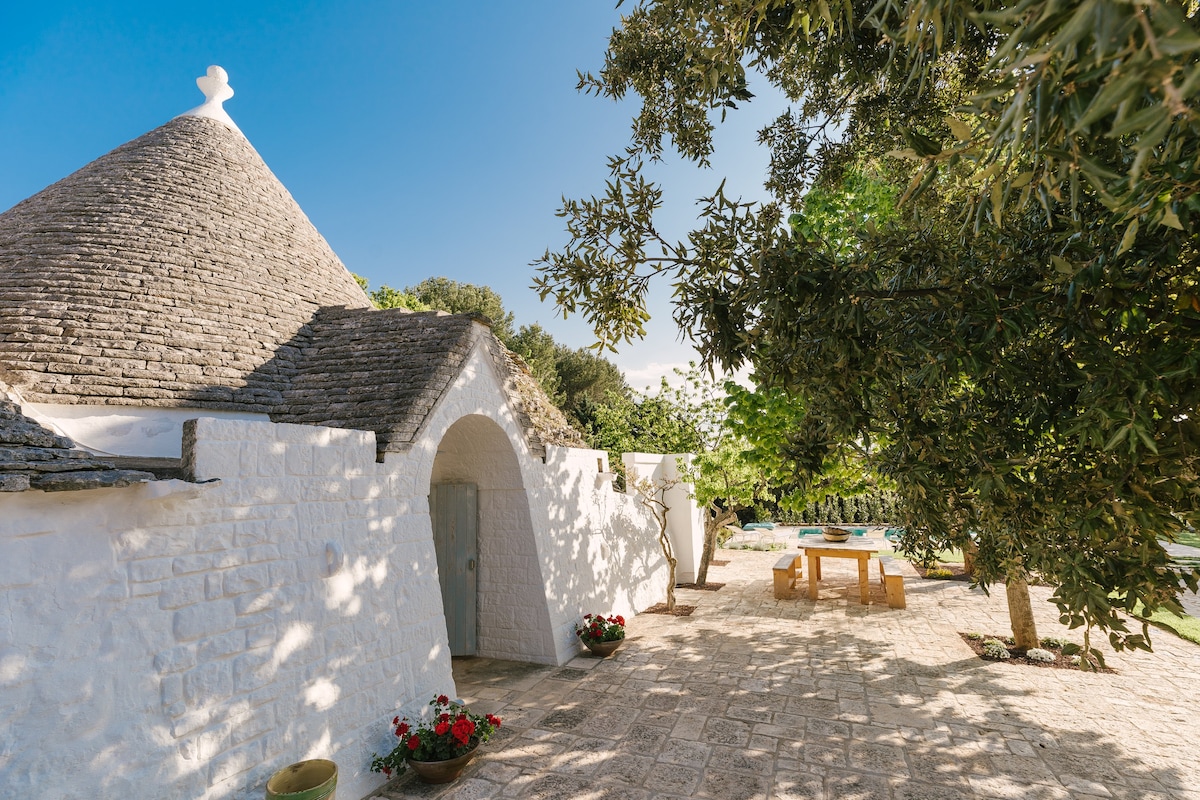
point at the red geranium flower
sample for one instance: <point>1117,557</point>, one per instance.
<point>463,729</point>
<point>452,729</point>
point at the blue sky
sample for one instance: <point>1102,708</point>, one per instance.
<point>420,138</point>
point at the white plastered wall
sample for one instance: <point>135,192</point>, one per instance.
<point>187,640</point>
<point>188,645</point>
<point>555,540</point>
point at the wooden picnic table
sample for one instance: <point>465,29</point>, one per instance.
<point>861,548</point>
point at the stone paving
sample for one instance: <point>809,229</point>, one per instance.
<point>753,697</point>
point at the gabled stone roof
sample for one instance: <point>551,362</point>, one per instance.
<point>544,422</point>
<point>34,457</point>
<point>375,370</point>
<point>386,370</point>
<point>173,271</point>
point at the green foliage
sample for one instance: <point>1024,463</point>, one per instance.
<point>444,294</point>
<point>874,507</point>
<point>769,420</point>
<point>534,344</point>
<point>837,218</point>
<point>647,425</point>
<point>586,379</point>
<point>724,476</point>
<point>387,297</point>
<point>1016,351</point>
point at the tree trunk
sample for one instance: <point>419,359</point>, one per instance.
<point>1020,611</point>
<point>969,551</point>
<point>714,520</point>
<point>664,542</point>
<point>671,585</point>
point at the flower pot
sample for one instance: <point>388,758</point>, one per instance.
<point>602,649</point>
<point>315,779</point>
<point>442,771</point>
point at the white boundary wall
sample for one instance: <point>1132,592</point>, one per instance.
<point>187,640</point>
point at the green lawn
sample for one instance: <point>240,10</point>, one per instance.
<point>1190,538</point>
<point>946,557</point>
<point>1184,627</point>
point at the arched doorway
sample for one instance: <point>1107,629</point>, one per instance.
<point>488,568</point>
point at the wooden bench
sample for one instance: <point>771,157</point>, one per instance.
<point>787,571</point>
<point>892,578</point>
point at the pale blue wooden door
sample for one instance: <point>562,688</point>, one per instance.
<point>453,508</point>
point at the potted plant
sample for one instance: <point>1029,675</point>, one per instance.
<point>600,634</point>
<point>439,749</point>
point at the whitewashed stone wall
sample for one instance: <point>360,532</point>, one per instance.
<point>187,640</point>
<point>200,642</point>
<point>604,561</point>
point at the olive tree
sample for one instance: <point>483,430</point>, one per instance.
<point>1017,350</point>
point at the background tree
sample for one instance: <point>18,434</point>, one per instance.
<point>534,344</point>
<point>625,424</point>
<point>744,456</point>
<point>1017,350</point>
<point>445,294</point>
<point>584,377</point>
<point>722,474</point>
<point>387,297</point>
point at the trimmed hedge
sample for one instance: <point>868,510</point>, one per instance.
<point>872,508</point>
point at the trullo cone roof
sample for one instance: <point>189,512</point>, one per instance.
<point>175,271</point>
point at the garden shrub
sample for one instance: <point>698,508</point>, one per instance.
<point>996,650</point>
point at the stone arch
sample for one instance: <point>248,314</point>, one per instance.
<point>512,618</point>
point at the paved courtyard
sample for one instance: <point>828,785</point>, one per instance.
<point>753,697</point>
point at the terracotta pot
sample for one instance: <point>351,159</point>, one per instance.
<point>441,771</point>
<point>602,649</point>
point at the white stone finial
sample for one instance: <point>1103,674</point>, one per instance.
<point>215,85</point>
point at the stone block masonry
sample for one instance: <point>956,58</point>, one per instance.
<point>202,639</point>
